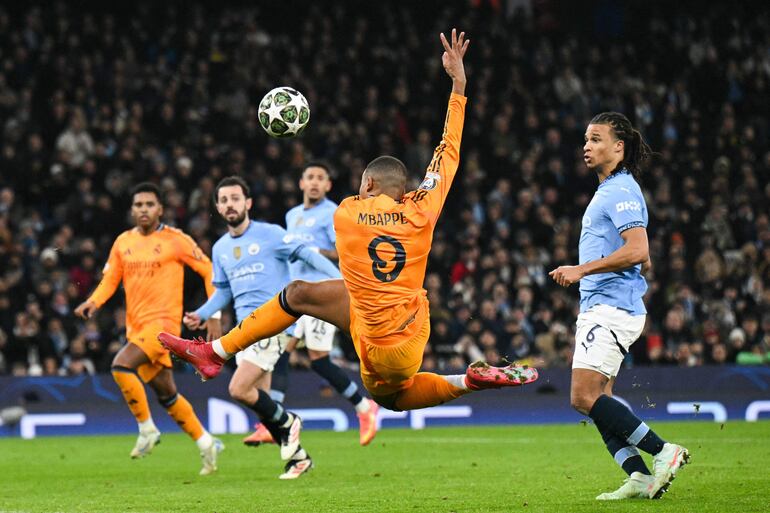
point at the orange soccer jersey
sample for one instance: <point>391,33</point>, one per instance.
<point>384,244</point>
<point>152,270</point>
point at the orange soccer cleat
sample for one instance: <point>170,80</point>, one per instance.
<point>481,375</point>
<point>197,353</point>
<point>367,423</point>
<point>259,437</point>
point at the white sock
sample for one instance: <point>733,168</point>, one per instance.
<point>217,347</point>
<point>363,406</point>
<point>301,454</point>
<point>147,425</point>
<point>457,380</point>
<point>205,441</point>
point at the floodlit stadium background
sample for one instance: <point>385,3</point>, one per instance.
<point>94,99</point>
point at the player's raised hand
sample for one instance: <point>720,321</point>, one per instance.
<point>452,59</point>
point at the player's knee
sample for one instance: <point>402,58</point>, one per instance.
<point>119,362</point>
<point>297,294</point>
<point>121,368</point>
<point>168,401</point>
<point>582,401</point>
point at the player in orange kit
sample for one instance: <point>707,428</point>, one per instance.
<point>384,236</point>
<point>149,259</point>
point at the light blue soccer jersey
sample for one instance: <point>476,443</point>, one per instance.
<point>254,265</point>
<point>617,205</point>
<point>313,227</point>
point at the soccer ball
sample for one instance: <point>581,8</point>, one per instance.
<point>284,112</point>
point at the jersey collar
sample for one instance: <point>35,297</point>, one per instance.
<point>615,174</point>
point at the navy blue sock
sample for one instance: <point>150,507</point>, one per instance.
<point>612,416</point>
<point>280,379</point>
<point>625,454</point>
<point>269,411</point>
<point>337,379</point>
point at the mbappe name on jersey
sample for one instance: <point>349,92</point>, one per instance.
<point>388,218</point>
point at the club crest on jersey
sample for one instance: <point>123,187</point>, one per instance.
<point>430,182</point>
<point>237,252</point>
<point>310,222</point>
<point>253,249</point>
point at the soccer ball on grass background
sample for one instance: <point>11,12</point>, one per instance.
<point>284,112</point>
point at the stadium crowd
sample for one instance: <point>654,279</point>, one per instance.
<point>93,103</point>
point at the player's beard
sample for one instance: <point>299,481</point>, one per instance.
<point>237,220</point>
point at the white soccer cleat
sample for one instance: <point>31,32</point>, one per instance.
<point>665,465</point>
<point>209,457</point>
<point>636,486</point>
<point>296,468</point>
<point>145,443</point>
<point>290,438</point>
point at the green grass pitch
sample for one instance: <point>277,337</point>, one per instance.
<point>472,469</point>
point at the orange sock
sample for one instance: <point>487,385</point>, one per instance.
<point>428,390</point>
<point>266,321</point>
<point>133,392</point>
<point>182,412</point>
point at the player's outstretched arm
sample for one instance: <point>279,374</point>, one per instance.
<point>452,59</point>
<point>432,193</point>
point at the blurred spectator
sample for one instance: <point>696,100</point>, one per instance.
<point>88,109</point>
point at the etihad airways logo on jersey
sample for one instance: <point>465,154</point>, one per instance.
<point>388,218</point>
<point>628,205</point>
<point>243,272</point>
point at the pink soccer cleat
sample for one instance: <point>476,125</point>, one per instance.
<point>481,375</point>
<point>367,422</point>
<point>259,437</point>
<point>197,353</point>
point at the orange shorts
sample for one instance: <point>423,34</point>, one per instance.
<point>389,364</point>
<point>146,339</point>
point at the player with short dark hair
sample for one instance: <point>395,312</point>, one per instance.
<point>383,239</point>
<point>149,259</point>
<point>614,255</point>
